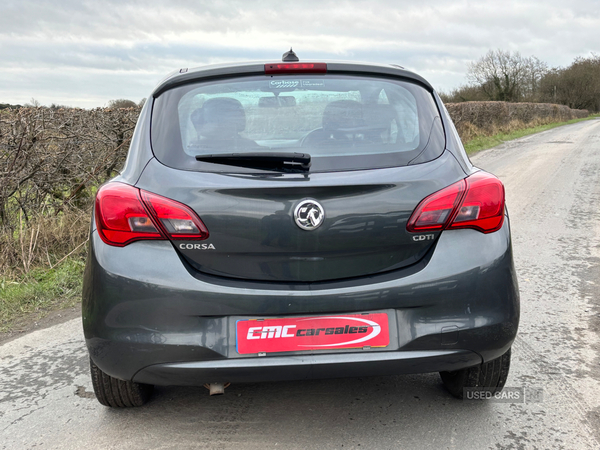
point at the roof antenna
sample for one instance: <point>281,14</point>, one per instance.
<point>290,56</point>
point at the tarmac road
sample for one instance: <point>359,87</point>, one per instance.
<point>553,194</point>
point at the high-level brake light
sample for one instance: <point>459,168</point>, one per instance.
<point>296,67</point>
<point>476,202</point>
<point>125,214</point>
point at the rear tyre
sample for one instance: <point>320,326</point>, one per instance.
<point>489,377</point>
<point>118,393</point>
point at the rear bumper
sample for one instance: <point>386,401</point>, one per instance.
<point>147,318</point>
<point>306,367</point>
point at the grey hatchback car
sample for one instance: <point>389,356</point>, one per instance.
<point>294,220</point>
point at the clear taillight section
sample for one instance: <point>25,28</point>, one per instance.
<point>125,214</point>
<point>476,202</point>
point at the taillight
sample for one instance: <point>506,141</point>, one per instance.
<point>476,202</point>
<point>435,212</point>
<point>125,214</point>
<point>483,205</point>
<point>295,67</point>
<point>176,219</point>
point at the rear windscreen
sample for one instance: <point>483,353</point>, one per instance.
<point>343,122</point>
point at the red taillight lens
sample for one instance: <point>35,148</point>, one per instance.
<point>295,68</point>
<point>483,205</point>
<point>122,217</point>
<point>476,202</point>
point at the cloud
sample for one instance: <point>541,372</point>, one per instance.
<point>86,53</point>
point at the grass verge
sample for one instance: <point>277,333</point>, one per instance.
<point>479,143</point>
<point>39,292</point>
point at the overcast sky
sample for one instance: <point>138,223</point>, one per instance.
<point>85,53</point>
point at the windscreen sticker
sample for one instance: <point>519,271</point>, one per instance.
<point>311,83</point>
<point>284,84</point>
<point>291,84</point>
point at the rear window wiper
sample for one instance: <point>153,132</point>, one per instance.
<point>297,162</point>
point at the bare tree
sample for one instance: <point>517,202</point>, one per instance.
<point>122,103</point>
<point>33,103</point>
<point>534,73</point>
<point>506,76</point>
<point>464,94</point>
<point>577,86</point>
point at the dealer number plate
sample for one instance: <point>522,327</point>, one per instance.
<point>312,333</point>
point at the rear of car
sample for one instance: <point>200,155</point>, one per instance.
<point>286,221</point>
